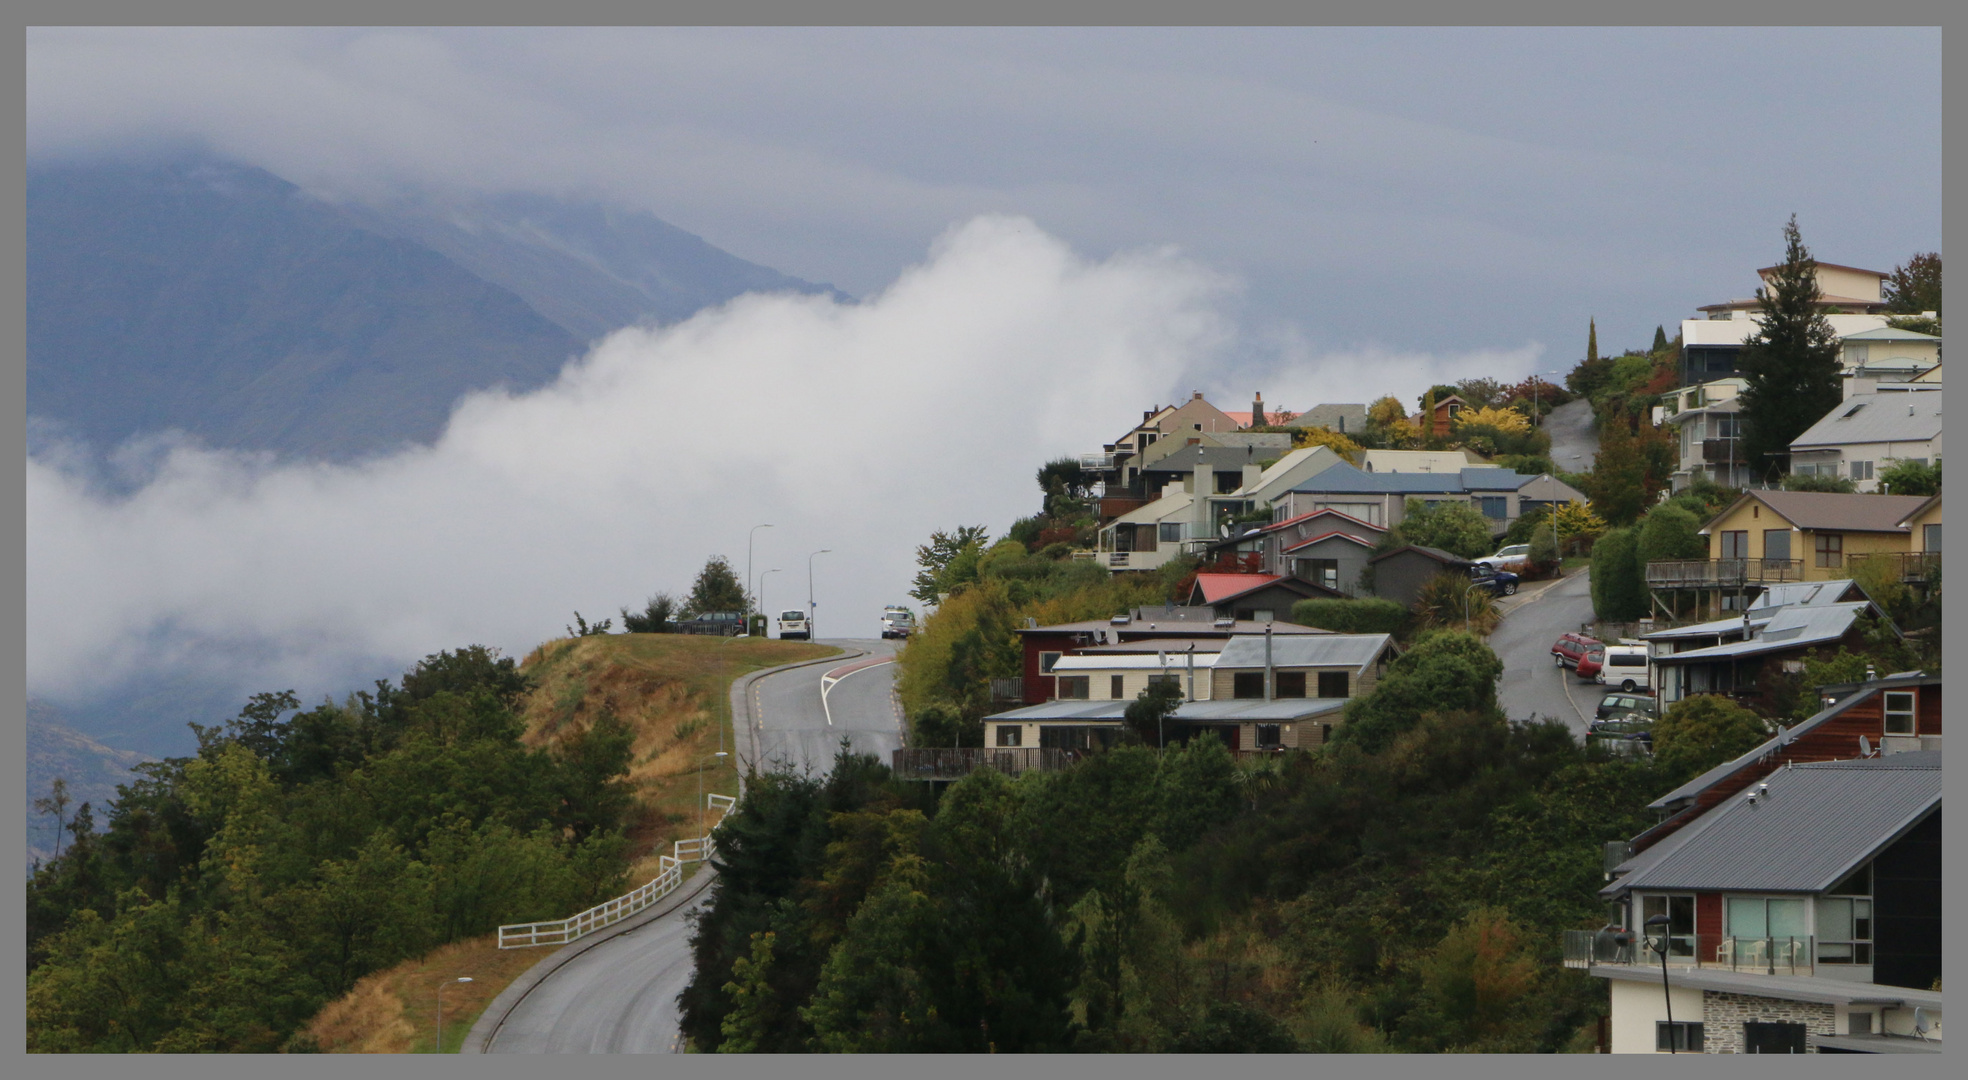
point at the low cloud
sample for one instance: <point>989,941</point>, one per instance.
<point>855,427</point>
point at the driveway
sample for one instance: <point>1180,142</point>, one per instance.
<point>1532,684</point>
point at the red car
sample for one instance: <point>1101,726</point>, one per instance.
<point>1571,648</point>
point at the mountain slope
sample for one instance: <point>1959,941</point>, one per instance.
<point>91,770</point>
<point>220,300</point>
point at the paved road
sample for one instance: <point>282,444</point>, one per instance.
<point>1574,443</point>
<point>1532,684</point>
<point>619,997</point>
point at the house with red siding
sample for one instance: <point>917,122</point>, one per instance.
<point>1174,627</point>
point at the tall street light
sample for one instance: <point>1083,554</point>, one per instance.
<point>719,757</point>
<point>440,1009</point>
<point>759,597</point>
<point>748,561</point>
<point>810,606</point>
<point>1658,942</point>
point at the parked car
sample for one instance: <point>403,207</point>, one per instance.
<point>898,622</point>
<point>1513,558</point>
<point>1570,649</point>
<point>1623,706</point>
<point>1625,665</point>
<point>1633,737</point>
<point>1498,582</point>
<point>793,626</point>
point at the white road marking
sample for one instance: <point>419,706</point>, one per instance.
<point>827,685</point>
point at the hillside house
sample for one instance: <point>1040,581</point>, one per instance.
<point>1398,575</point>
<point>1867,433</point>
<point>1346,419</point>
<point>1380,498</point>
<point>1260,598</point>
<point>1173,626</point>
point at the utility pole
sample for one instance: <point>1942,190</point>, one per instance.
<point>810,605</point>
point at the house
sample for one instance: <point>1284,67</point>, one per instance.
<point>1170,626</point>
<point>1112,466</point>
<point>1801,916</point>
<point>1707,417</point>
<point>1889,354</point>
<point>1853,302</point>
<point>1398,575</point>
<point>1760,610</point>
<point>1259,598</point>
<point>1380,498</point>
<point>1150,535</point>
<point>1325,547</point>
<point>1293,700</point>
<point>1751,667</point>
<point>1442,418</point>
<point>1259,416</point>
<point>1424,461</point>
<point>1867,433</point>
<point>1347,419</point>
<point>1766,537</point>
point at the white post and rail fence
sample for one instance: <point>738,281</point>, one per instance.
<point>669,875</point>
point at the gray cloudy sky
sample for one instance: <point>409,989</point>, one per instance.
<point>1050,231</point>
<point>1420,192</point>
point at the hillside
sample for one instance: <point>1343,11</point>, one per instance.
<point>91,770</point>
<point>221,300</point>
<point>669,689</point>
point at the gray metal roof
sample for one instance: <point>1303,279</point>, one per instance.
<point>1877,418</point>
<point>1809,826</point>
<point>1327,416</point>
<point>1345,479</point>
<point>1699,784</point>
<point>1814,988</point>
<point>1333,650</point>
<point>1217,458</point>
<point>1769,602</point>
<point>1222,711</point>
<point>1789,628</point>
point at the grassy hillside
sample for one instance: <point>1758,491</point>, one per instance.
<point>671,691</point>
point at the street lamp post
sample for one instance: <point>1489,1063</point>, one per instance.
<point>1659,944</point>
<point>758,597</point>
<point>440,1010</point>
<point>748,560</point>
<point>810,606</point>
<point>720,755</point>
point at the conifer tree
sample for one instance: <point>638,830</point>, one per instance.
<point>1591,340</point>
<point>1791,366</point>
<point>1660,338</point>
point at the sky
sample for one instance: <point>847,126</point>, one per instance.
<point>1049,231</point>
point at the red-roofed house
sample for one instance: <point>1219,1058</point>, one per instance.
<point>1259,597</point>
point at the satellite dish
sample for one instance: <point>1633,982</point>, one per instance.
<point>1920,1025</point>
<point>1865,747</point>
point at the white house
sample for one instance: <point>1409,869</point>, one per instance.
<point>1867,433</point>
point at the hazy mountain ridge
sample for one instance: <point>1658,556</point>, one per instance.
<point>91,769</point>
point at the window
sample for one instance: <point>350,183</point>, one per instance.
<point>1290,684</point>
<point>1861,470</point>
<point>1735,544</point>
<point>1856,354</point>
<point>1773,1037</point>
<point>1830,549</point>
<point>1247,685</point>
<point>1680,912</point>
<point>1115,687</point>
<point>1682,1036</point>
<point>1010,735</point>
<point>1323,572</point>
<point>1853,411</point>
<point>1845,920</point>
<point>1930,538</point>
<point>1165,680</point>
<point>1899,712</point>
<point>1334,684</point>
<point>1765,917</point>
<point>1727,427</point>
<point>1776,543</point>
<point>1046,660</point>
<point>1169,532</point>
<point>1494,507</point>
<point>1074,687</point>
<point>1269,736</point>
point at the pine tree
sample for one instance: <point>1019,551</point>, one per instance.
<point>1915,286</point>
<point>1660,339</point>
<point>1591,340</point>
<point>1790,367</point>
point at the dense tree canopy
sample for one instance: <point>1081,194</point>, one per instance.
<point>1790,367</point>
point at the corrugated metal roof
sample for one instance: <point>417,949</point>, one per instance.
<point>1789,628</point>
<point>1773,599</point>
<point>1812,825</point>
<point>1222,711</point>
<point>1494,479</point>
<point>1892,333</point>
<point>1335,650</point>
<point>1130,661</point>
<point>1876,418</point>
<point>1327,416</point>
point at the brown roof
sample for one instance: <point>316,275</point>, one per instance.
<point>1831,265</point>
<point>1831,511</point>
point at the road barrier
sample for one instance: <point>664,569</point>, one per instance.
<point>669,875</point>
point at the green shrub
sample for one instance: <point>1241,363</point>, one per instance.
<point>1366,615</point>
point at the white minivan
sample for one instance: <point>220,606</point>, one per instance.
<point>1625,666</point>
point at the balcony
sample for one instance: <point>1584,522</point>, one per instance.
<point>1097,462</point>
<point>1912,567</point>
<point>953,763</point>
<point>1008,689</point>
<point>1723,452</point>
<point>1138,560</point>
<point>1113,506</point>
<point>1714,952</point>
<point>1721,573</point>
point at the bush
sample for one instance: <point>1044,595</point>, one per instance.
<point>1451,600</point>
<point>1819,482</point>
<point>1698,733</point>
<point>1362,616</point>
<point>1455,527</point>
<point>1445,671</point>
<point>1911,478</point>
<point>1670,532</point>
<point>1619,581</point>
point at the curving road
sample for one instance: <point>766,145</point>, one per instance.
<point>619,995</point>
<point>1532,685</point>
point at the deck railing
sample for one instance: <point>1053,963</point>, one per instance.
<point>669,875</point>
<point>1721,573</point>
<point>1907,565</point>
<point>955,763</point>
<point>1714,952</point>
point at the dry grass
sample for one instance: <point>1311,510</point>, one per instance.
<point>671,690</point>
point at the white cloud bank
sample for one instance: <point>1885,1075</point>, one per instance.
<point>858,428</point>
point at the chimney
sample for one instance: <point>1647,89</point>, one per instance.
<point>1196,395</point>
<point>1257,409</point>
<point>1202,485</point>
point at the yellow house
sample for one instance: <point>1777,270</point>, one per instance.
<point>1767,537</point>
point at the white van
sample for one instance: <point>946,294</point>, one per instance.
<point>1626,666</point>
<point>793,626</point>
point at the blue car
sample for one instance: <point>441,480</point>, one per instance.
<point>1498,582</point>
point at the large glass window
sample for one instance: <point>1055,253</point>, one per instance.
<point>1074,687</point>
<point>1830,549</point>
<point>1290,684</point>
<point>1334,684</point>
<point>1899,712</point>
<point>1046,660</point>
<point>1930,538</point>
<point>1766,917</point>
<point>1682,1036</point>
<point>1776,543</point>
<point>1494,507</point>
<point>1735,544</point>
<point>1170,532</point>
<point>1010,735</point>
<point>1247,685</point>
<point>1324,572</point>
<point>1680,912</point>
